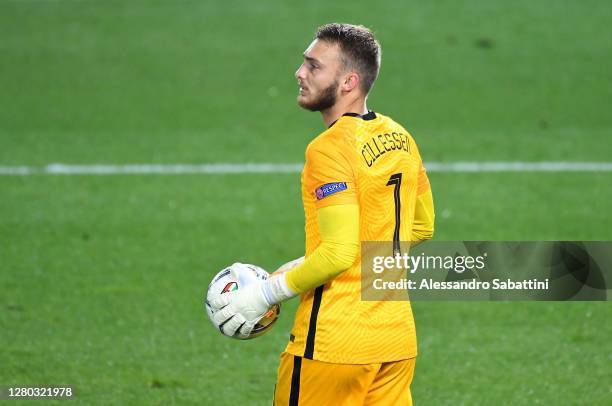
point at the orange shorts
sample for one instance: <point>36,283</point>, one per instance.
<point>308,382</point>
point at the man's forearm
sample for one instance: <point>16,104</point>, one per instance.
<point>339,231</point>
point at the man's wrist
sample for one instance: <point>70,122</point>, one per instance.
<point>276,290</point>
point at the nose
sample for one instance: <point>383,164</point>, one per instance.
<point>299,73</point>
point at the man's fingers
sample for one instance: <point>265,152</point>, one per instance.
<point>232,325</point>
<point>221,316</point>
<point>245,330</point>
<point>220,301</point>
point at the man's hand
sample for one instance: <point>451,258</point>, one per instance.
<point>236,313</point>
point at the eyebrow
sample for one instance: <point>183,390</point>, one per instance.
<point>311,59</point>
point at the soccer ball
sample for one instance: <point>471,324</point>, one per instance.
<point>233,278</point>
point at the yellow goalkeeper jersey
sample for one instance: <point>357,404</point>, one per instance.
<point>371,161</point>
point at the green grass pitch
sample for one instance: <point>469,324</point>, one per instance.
<point>103,276</point>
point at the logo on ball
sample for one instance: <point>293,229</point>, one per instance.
<point>230,287</point>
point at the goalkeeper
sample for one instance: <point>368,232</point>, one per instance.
<point>363,180</point>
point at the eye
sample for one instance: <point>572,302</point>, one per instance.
<point>312,66</point>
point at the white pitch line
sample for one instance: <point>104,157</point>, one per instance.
<point>227,168</point>
<point>518,166</point>
<point>61,169</point>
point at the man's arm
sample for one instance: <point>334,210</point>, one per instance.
<point>424,215</point>
<point>239,311</point>
<point>288,266</point>
<point>339,231</point>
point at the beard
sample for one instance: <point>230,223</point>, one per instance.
<point>326,99</point>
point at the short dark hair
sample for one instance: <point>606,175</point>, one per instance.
<point>361,51</point>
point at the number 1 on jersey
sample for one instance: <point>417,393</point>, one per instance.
<point>396,181</point>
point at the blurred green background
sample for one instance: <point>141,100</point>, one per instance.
<point>103,276</point>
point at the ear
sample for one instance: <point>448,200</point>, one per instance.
<point>351,82</point>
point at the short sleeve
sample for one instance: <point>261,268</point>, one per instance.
<point>329,176</point>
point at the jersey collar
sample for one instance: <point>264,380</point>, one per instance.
<point>370,115</point>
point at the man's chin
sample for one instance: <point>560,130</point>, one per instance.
<point>304,104</point>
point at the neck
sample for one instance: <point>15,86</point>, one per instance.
<point>337,110</point>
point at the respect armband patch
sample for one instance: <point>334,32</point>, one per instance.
<point>329,189</point>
